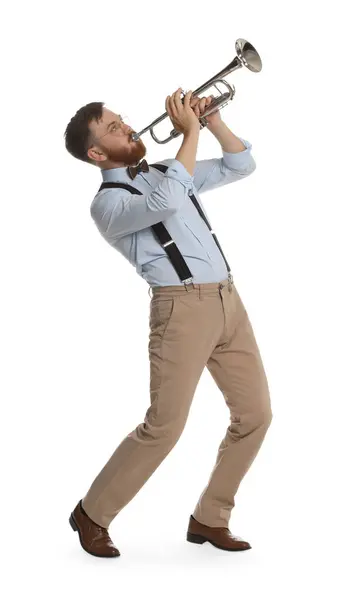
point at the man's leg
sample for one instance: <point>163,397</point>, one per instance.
<point>237,368</point>
<point>183,332</point>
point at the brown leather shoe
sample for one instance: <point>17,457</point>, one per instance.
<point>93,537</point>
<point>221,537</point>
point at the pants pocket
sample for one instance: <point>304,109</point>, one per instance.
<point>161,311</point>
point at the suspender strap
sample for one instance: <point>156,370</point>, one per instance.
<point>164,168</point>
<point>199,209</point>
<point>162,234</point>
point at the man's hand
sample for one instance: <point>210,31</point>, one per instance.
<point>199,106</point>
<point>182,116</point>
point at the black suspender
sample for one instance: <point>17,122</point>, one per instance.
<point>163,236</point>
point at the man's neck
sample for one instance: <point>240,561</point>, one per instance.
<point>117,165</point>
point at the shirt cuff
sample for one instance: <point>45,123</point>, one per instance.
<point>176,170</point>
<point>237,160</point>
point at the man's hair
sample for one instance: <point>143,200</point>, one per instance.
<point>78,137</point>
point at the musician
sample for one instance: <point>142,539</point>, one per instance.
<point>193,324</point>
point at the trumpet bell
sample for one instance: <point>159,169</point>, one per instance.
<point>248,55</point>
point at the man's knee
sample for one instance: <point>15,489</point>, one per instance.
<point>264,414</point>
<point>258,419</point>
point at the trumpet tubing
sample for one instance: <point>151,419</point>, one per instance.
<point>246,56</point>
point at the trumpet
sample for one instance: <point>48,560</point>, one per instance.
<point>247,56</point>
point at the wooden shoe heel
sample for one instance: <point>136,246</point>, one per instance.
<point>72,523</point>
<point>195,538</point>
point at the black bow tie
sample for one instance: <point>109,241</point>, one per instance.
<point>142,166</point>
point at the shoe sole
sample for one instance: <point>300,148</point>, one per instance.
<point>195,538</point>
<point>76,528</point>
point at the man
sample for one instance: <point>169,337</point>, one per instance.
<point>195,321</point>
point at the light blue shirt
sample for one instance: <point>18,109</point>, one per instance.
<point>124,219</point>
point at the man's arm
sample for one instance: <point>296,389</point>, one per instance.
<point>117,212</point>
<point>228,141</point>
<point>236,162</point>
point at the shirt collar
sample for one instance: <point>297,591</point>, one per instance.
<point>117,174</point>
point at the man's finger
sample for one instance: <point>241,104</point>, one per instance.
<point>202,104</point>
<point>194,102</point>
<point>187,99</point>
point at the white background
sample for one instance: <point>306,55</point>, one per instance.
<point>75,376</point>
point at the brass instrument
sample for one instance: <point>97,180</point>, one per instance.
<point>247,56</point>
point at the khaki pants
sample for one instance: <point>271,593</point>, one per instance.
<point>190,328</point>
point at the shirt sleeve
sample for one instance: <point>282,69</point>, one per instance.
<point>216,172</point>
<point>116,212</point>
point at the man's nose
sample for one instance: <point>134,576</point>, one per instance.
<point>127,129</point>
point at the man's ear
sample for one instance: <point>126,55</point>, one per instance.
<point>96,155</point>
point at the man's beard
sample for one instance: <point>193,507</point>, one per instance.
<point>129,156</point>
